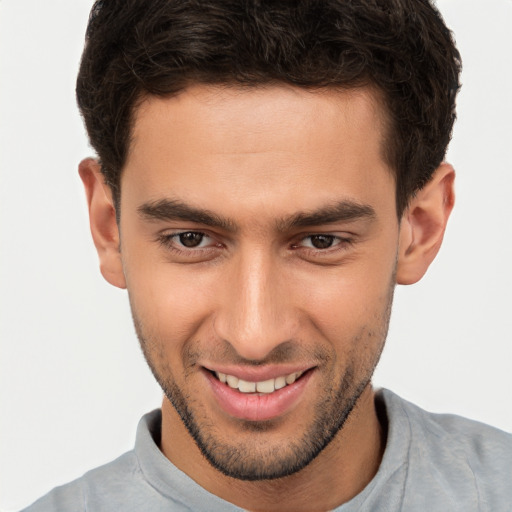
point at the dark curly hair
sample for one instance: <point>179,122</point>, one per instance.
<point>403,48</point>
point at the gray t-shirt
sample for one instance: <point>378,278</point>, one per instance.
<point>431,463</point>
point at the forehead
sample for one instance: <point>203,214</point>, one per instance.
<point>255,109</point>
<point>256,145</point>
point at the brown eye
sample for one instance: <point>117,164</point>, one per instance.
<point>322,241</point>
<point>191,239</point>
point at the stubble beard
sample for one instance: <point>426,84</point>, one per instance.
<point>253,460</point>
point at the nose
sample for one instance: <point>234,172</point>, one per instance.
<point>256,312</point>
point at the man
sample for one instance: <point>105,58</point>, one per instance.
<point>267,172</point>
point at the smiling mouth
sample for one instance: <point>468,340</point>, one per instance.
<point>264,387</point>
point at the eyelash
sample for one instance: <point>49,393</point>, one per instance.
<point>339,242</point>
<point>167,240</point>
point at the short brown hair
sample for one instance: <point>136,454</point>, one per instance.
<point>136,48</point>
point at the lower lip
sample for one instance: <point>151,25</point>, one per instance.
<point>257,407</point>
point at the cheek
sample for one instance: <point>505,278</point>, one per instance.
<point>169,301</point>
<point>351,302</point>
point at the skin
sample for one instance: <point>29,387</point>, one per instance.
<point>258,293</point>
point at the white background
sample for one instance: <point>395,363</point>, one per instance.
<point>73,382</point>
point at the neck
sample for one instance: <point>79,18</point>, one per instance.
<point>340,472</point>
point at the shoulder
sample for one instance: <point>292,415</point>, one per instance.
<point>100,482</point>
<point>484,445</point>
<point>486,452</point>
<point>464,454</point>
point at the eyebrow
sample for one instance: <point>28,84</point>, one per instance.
<point>174,209</point>
<point>343,211</point>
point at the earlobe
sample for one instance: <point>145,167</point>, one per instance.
<point>103,223</point>
<point>423,225</point>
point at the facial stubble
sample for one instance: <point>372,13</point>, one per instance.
<point>253,460</point>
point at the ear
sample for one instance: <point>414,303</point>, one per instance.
<point>102,218</point>
<point>423,225</point>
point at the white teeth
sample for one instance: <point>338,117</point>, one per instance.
<point>280,382</point>
<point>246,387</point>
<point>265,386</point>
<point>232,381</point>
<point>290,379</point>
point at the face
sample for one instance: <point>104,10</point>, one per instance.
<point>259,242</point>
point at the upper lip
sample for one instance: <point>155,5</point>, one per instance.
<point>258,373</point>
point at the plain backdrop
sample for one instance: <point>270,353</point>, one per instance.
<point>73,381</point>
